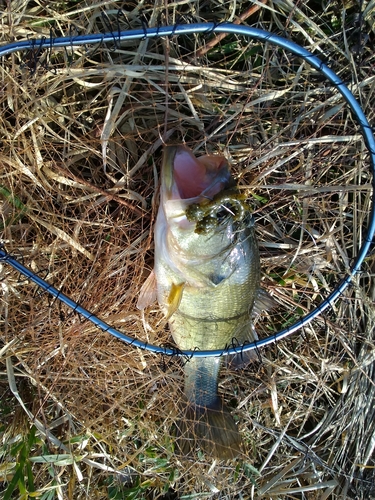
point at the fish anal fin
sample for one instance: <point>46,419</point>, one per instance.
<point>243,359</point>
<point>247,333</point>
<point>263,302</point>
<point>147,295</point>
<point>174,298</point>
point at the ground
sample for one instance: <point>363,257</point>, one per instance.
<point>82,414</point>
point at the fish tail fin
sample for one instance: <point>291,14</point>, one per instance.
<point>213,429</point>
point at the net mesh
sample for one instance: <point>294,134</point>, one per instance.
<point>82,132</point>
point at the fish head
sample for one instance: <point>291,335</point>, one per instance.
<point>187,181</point>
<point>185,177</point>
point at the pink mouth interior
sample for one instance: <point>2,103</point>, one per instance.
<point>189,175</point>
<point>192,176</point>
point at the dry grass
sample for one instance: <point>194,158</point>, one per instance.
<point>81,145</point>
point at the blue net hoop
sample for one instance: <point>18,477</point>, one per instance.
<point>208,28</point>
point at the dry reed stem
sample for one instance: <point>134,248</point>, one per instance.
<point>218,38</point>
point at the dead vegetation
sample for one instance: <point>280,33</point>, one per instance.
<point>82,132</point>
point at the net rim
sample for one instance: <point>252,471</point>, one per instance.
<point>208,28</point>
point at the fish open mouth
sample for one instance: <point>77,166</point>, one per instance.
<point>188,177</point>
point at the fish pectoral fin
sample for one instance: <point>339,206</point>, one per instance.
<point>147,295</point>
<point>174,298</point>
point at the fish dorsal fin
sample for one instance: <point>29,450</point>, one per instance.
<point>174,298</point>
<point>147,295</point>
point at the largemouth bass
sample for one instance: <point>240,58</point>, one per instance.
<point>206,278</point>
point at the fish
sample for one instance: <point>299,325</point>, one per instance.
<point>206,279</point>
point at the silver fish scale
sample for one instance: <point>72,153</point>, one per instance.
<point>221,272</point>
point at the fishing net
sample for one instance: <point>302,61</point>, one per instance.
<point>82,134</point>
